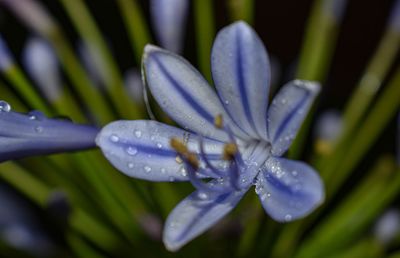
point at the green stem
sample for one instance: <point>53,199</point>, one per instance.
<point>136,25</point>
<point>315,58</point>
<point>241,10</point>
<point>88,30</point>
<point>205,32</point>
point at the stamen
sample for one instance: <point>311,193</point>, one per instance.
<point>230,149</point>
<point>218,121</point>
<point>183,151</point>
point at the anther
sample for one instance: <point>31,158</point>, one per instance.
<point>218,121</point>
<point>184,153</point>
<point>230,149</point>
<point>178,145</point>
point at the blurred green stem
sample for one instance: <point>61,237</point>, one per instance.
<point>205,33</point>
<point>241,10</point>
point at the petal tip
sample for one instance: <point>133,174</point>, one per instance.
<point>311,86</point>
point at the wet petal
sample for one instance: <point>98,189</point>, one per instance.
<point>287,111</point>
<point>142,149</point>
<point>289,189</point>
<point>241,73</point>
<point>195,214</point>
<point>183,93</point>
<point>169,22</point>
<point>24,135</point>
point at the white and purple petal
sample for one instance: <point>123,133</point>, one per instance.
<point>196,214</point>
<point>183,93</point>
<point>289,189</point>
<point>23,135</point>
<point>169,22</point>
<point>141,149</point>
<point>241,73</point>
<point>287,111</point>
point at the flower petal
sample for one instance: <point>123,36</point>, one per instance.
<point>24,135</point>
<point>183,93</point>
<point>287,112</point>
<point>142,149</point>
<point>195,214</point>
<point>169,22</point>
<point>289,189</point>
<point>241,73</point>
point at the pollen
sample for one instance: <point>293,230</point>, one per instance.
<point>230,149</point>
<point>218,121</point>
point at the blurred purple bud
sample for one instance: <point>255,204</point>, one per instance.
<point>394,20</point>
<point>33,14</point>
<point>169,22</point>
<point>335,8</point>
<point>94,64</point>
<point>387,226</point>
<point>6,59</point>
<point>151,225</point>
<point>42,65</point>
<point>134,84</point>
<point>329,126</point>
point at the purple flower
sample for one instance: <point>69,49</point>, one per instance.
<point>231,142</point>
<point>23,135</point>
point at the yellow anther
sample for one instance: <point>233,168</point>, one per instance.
<point>230,149</point>
<point>183,152</point>
<point>218,121</point>
<point>178,145</point>
<point>193,161</point>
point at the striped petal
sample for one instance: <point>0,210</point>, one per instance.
<point>183,93</point>
<point>23,135</point>
<point>195,214</point>
<point>141,149</point>
<point>241,73</point>
<point>169,22</point>
<point>289,189</point>
<point>287,111</point>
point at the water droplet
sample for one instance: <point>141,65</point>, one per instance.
<point>163,170</point>
<point>32,117</point>
<point>226,102</point>
<point>138,133</point>
<point>147,169</point>
<point>183,171</point>
<point>131,150</point>
<point>4,106</point>
<point>159,145</point>
<point>202,196</point>
<point>130,165</point>
<point>39,129</point>
<point>178,160</point>
<point>171,179</point>
<point>294,173</point>
<point>283,101</point>
<point>288,217</point>
<point>259,188</point>
<point>114,138</point>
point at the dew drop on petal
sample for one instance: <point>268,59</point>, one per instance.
<point>131,150</point>
<point>163,171</point>
<point>4,106</point>
<point>114,138</point>
<point>159,145</point>
<point>202,196</point>
<point>288,217</point>
<point>130,165</point>
<point>171,179</point>
<point>38,129</point>
<point>138,133</point>
<point>147,169</point>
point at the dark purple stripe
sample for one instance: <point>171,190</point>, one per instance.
<point>241,81</point>
<point>288,118</point>
<point>196,106</point>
